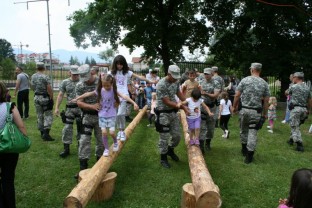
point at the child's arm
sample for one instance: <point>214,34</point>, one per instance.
<point>83,96</point>
<point>181,103</point>
<point>207,109</point>
<point>220,111</point>
<point>127,98</point>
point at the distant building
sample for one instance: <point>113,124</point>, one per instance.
<point>139,64</point>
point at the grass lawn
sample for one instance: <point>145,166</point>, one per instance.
<point>43,179</point>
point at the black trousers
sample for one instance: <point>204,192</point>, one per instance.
<point>224,120</point>
<point>23,101</point>
<point>8,162</point>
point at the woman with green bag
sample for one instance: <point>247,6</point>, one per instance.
<point>8,161</point>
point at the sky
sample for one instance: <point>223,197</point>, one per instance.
<point>22,26</point>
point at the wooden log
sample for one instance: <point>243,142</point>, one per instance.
<point>85,189</point>
<point>206,191</point>
<point>188,196</point>
<point>106,187</point>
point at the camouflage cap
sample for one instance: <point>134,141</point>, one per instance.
<point>256,66</point>
<point>215,68</point>
<point>85,72</point>
<point>208,71</point>
<point>40,65</point>
<point>299,74</point>
<point>74,69</point>
<point>174,70</point>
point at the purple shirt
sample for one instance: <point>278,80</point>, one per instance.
<point>107,103</point>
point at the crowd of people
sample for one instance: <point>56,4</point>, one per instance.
<point>99,103</point>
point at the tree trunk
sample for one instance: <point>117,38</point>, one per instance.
<point>85,189</point>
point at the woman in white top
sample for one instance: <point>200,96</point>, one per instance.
<point>225,113</point>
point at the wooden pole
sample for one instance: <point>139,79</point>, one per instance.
<point>84,190</point>
<point>206,192</point>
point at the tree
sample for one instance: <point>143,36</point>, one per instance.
<point>161,27</point>
<point>87,61</point>
<point>93,62</point>
<point>251,31</point>
<point>6,50</point>
<point>107,55</point>
<point>7,67</point>
<point>74,61</point>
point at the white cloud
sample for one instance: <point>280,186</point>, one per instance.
<point>19,25</point>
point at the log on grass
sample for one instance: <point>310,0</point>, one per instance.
<point>106,187</point>
<point>206,191</point>
<point>84,190</point>
<point>188,196</point>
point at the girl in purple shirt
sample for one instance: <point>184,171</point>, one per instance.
<point>107,97</point>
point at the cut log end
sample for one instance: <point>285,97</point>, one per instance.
<point>210,199</point>
<point>72,202</point>
<point>188,196</point>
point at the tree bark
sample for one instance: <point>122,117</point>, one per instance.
<point>82,193</point>
<point>206,192</point>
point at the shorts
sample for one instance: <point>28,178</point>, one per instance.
<point>193,123</point>
<point>109,122</point>
<point>122,109</point>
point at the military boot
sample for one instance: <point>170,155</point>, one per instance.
<point>83,165</point>
<point>244,149</point>
<point>202,146</point>
<point>41,133</point>
<point>290,141</point>
<point>299,147</point>
<point>65,153</point>
<point>249,157</point>
<point>208,144</point>
<point>46,135</point>
<point>172,154</point>
<point>164,161</point>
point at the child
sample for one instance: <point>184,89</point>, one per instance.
<point>152,112</point>
<point>148,95</point>
<point>107,97</point>
<point>225,113</point>
<point>190,84</point>
<point>193,119</point>
<point>300,194</point>
<point>121,73</point>
<point>272,113</point>
<point>141,95</point>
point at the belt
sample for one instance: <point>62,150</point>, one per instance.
<point>251,108</point>
<point>303,106</point>
<point>72,106</point>
<point>90,112</point>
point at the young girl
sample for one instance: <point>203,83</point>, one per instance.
<point>300,194</point>
<point>152,112</point>
<point>193,119</point>
<point>107,97</point>
<point>225,113</point>
<point>272,113</point>
<point>121,73</point>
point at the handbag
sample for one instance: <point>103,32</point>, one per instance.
<point>12,140</point>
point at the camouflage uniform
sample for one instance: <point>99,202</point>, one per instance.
<point>90,121</point>
<point>72,111</point>
<point>40,81</point>
<point>207,125</point>
<point>252,89</point>
<point>300,95</point>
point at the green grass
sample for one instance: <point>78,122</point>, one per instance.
<point>43,179</point>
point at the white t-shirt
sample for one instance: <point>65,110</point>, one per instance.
<point>225,107</point>
<point>194,107</point>
<point>122,81</point>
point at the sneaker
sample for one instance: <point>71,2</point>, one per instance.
<point>122,136</point>
<point>115,147</point>
<point>226,135</point>
<point>223,136</point>
<point>268,127</point>
<point>119,135</point>
<point>149,125</point>
<point>106,153</point>
<point>192,141</point>
<point>271,131</point>
<point>284,121</point>
<point>197,141</point>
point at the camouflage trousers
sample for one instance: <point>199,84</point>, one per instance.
<point>71,114</point>
<point>89,123</point>
<point>173,137</point>
<point>44,117</point>
<point>207,125</point>
<point>248,134</point>
<point>296,114</point>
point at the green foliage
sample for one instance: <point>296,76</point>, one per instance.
<point>7,67</point>
<point>93,62</point>
<point>74,61</point>
<point>43,179</point>
<point>6,50</point>
<point>30,68</point>
<point>87,61</point>
<point>108,55</point>
<point>161,27</point>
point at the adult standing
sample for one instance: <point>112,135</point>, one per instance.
<point>299,104</point>
<point>22,91</point>
<point>90,119</point>
<point>167,122</point>
<point>210,92</point>
<point>219,79</point>
<point>287,114</point>
<point>252,91</point>
<point>72,111</point>
<point>8,161</point>
<point>43,101</point>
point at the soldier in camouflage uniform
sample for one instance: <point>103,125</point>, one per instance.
<point>167,121</point>
<point>252,90</point>
<point>221,82</point>
<point>72,112</point>
<point>210,92</point>
<point>90,119</point>
<point>299,104</point>
<point>43,100</point>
